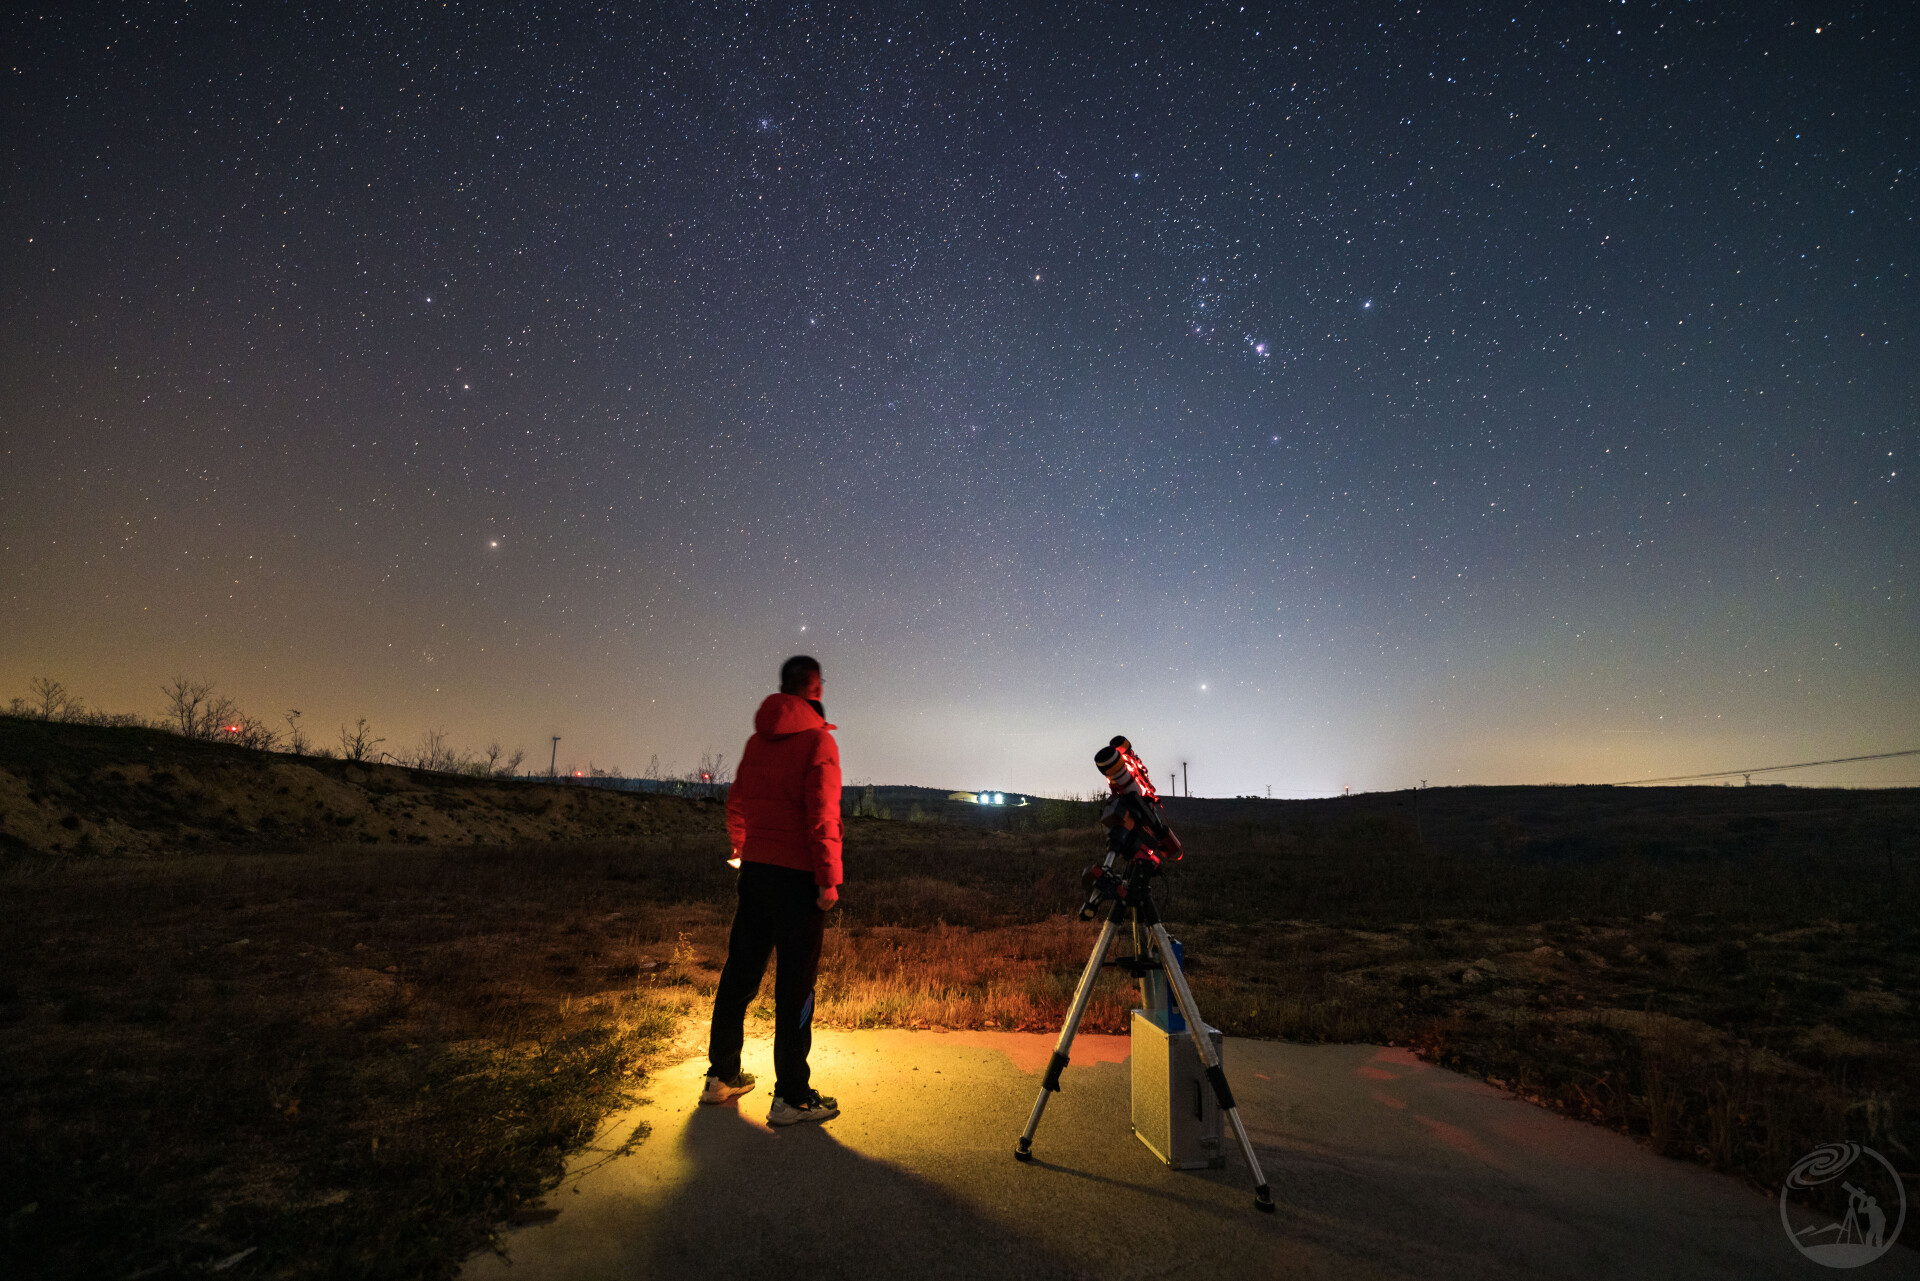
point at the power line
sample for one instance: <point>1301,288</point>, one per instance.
<point>1768,769</point>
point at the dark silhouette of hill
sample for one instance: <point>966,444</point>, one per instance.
<point>70,789</point>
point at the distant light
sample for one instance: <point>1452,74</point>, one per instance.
<point>734,862</point>
<point>231,729</point>
<point>1203,687</point>
<point>494,543</point>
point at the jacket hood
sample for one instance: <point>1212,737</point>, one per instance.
<point>783,714</point>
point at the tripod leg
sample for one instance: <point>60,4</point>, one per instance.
<point>1023,1150</point>
<point>1216,1074</point>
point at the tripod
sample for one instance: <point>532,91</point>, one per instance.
<point>1133,902</point>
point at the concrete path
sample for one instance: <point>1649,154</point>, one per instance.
<point>1382,1166</point>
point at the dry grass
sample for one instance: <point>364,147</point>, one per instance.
<point>1018,978</point>
<point>359,1060</point>
<point>355,1062</point>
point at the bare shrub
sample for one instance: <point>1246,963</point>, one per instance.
<point>195,709</point>
<point>249,731</point>
<point>358,744</point>
<point>868,807</point>
<point>52,701</point>
<point>436,753</point>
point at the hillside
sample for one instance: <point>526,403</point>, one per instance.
<point>82,789</point>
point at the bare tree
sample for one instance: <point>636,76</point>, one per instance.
<point>435,753</point>
<point>358,743</point>
<point>296,738</point>
<point>248,731</point>
<point>188,712</point>
<point>225,720</point>
<point>512,766</point>
<point>51,700</point>
<point>493,756</point>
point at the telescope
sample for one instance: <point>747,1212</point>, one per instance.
<point>1140,841</point>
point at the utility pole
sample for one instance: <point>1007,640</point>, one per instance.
<point>554,759</point>
<point>1185,786</point>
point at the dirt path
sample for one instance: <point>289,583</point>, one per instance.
<point>1383,1166</point>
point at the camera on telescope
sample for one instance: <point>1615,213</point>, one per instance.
<point>1138,834</point>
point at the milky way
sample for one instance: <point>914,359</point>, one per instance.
<point>1516,394</point>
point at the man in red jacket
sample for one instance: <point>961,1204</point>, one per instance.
<point>783,816</point>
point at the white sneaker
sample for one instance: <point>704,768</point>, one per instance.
<point>817,1108</point>
<point>719,1089</point>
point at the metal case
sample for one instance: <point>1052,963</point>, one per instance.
<point>1174,1110</point>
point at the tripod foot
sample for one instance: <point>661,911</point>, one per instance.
<point>1263,1199</point>
<point>1023,1149</point>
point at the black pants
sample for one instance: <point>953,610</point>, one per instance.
<point>778,911</point>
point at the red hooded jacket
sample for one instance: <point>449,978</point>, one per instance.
<point>784,806</point>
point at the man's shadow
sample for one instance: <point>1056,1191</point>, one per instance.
<point>796,1202</point>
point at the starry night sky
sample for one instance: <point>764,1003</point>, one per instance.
<point>1324,395</point>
